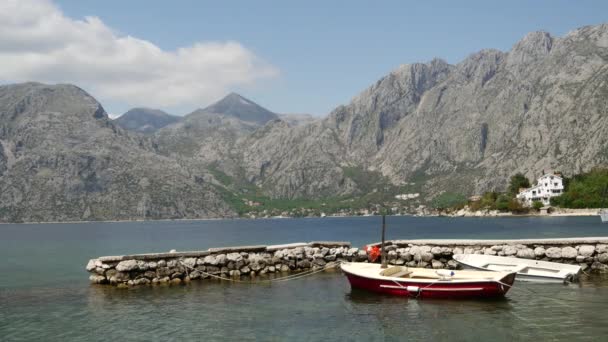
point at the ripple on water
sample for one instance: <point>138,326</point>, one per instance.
<point>322,307</point>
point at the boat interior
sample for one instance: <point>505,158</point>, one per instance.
<point>418,273</point>
<point>519,268</point>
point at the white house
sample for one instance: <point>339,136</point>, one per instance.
<point>547,186</point>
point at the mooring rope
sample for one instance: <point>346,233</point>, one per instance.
<point>280,279</point>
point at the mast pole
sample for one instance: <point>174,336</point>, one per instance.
<point>382,252</point>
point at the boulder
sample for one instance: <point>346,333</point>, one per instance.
<point>599,266</point>
<point>285,268</point>
<point>489,251</point>
<point>245,270</point>
<point>175,281</point>
<point>580,258</point>
<point>161,263</point>
<point>91,265</point>
<point>497,248</point>
<point>319,262</point>
<point>436,250</point>
<point>304,264</point>
<point>330,257</point>
<point>141,281</point>
<point>445,251</point>
<point>234,257</point>
<point>526,253</point>
<point>142,265</point>
<point>457,250</point>
<point>601,248</point>
<point>213,270</point>
<point>399,262</point>
<point>603,258</point>
<point>426,249</point>
<point>127,266</point>
<point>453,264</point>
<point>553,252</point>
<point>271,269</point>
<point>189,262</point>
<point>119,277</point>
<point>569,252</point>
<point>539,252</point>
<point>210,260</point>
<point>586,250</point>
<point>426,256</point>
<point>150,274</point>
<point>436,264</point>
<point>97,279</point>
<point>509,250</point>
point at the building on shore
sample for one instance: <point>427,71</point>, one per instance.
<point>547,186</point>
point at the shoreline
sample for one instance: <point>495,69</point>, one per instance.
<point>465,214</point>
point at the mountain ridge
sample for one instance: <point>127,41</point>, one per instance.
<point>424,128</point>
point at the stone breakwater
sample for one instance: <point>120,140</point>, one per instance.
<point>590,253</point>
<point>234,262</point>
<point>268,261</point>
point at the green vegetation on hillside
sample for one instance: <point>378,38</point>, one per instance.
<point>375,193</point>
<point>449,200</point>
<point>586,190</point>
<point>518,181</point>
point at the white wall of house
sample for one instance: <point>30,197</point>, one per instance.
<point>547,186</point>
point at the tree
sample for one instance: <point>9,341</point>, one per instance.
<point>502,203</point>
<point>537,205</point>
<point>449,200</point>
<point>518,181</point>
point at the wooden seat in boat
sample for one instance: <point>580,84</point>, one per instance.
<point>396,272</point>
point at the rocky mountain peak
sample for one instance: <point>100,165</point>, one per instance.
<point>239,107</point>
<point>534,46</point>
<point>145,120</point>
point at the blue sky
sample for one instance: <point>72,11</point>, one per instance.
<point>325,52</point>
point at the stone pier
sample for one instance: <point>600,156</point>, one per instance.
<point>260,261</point>
<point>233,262</point>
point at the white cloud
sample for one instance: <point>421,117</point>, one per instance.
<point>39,43</point>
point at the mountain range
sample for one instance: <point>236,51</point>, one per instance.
<point>425,127</point>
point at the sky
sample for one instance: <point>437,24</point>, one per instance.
<point>288,56</point>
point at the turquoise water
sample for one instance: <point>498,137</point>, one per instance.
<point>45,295</point>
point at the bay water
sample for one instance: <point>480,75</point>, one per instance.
<point>45,294</point>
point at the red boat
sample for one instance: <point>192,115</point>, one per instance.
<point>427,283</point>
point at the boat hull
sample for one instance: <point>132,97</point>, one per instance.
<point>527,269</point>
<point>412,288</point>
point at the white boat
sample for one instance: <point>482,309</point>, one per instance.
<point>527,269</point>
